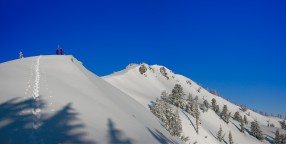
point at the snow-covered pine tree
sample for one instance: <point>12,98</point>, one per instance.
<point>175,123</point>
<point>169,114</point>
<point>179,128</point>
<point>165,96</point>
<point>214,104</point>
<point>206,104</point>
<point>159,109</point>
<point>237,116</point>
<point>194,106</point>
<point>228,116</point>
<point>243,108</point>
<point>185,138</point>
<point>224,114</point>
<point>190,104</point>
<point>217,109</point>
<point>203,108</point>
<point>230,140</point>
<point>256,131</point>
<point>283,124</point>
<point>283,139</point>
<point>220,134</point>
<point>196,113</point>
<point>245,119</point>
<point>242,125</point>
<point>277,137</point>
<point>170,118</point>
<point>177,96</point>
<point>253,128</point>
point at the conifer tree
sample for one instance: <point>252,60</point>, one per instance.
<point>220,134</point>
<point>277,137</point>
<point>243,108</point>
<point>196,113</point>
<point>170,118</point>
<point>283,124</point>
<point>177,96</point>
<point>194,106</point>
<point>228,116</point>
<point>158,109</point>
<point>230,140</point>
<point>217,109</point>
<point>190,103</point>
<point>245,119</point>
<point>242,125</point>
<point>237,116</point>
<point>214,104</point>
<point>256,131</point>
<point>283,139</point>
<point>185,138</point>
<point>224,114</point>
<point>165,96</point>
<point>175,123</point>
<point>169,115</point>
<point>206,104</point>
<point>203,108</point>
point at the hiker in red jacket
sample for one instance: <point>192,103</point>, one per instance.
<point>61,51</point>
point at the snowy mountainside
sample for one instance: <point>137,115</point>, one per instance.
<point>54,99</point>
<point>144,83</point>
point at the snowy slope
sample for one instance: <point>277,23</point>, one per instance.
<point>54,99</point>
<point>146,87</point>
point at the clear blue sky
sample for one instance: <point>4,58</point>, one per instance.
<point>237,47</point>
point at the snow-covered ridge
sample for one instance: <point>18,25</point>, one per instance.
<point>55,99</point>
<point>144,83</point>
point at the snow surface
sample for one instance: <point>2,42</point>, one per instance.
<point>145,88</point>
<point>54,99</point>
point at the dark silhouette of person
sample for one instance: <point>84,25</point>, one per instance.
<point>58,51</point>
<point>61,51</point>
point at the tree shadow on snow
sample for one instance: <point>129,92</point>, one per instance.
<point>16,124</point>
<point>248,131</point>
<point>269,138</point>
<point>63,127</point>
<point>116,136</point>
<point>162,139</point>
<point>189,120</point>
<point>16,121</point>
<point>212,134</point>
<point>236,126</point>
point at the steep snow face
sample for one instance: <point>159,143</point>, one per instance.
<point>146,87</point>
<point>54,99</point>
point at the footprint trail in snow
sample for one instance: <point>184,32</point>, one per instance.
<point>36,96</point>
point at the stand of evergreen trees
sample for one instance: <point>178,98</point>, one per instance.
<point>163,110</point>
<point>279,138</point>
<point>169,117</point>
<point>256,131</point>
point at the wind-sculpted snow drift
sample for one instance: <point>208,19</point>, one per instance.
<point>54,99</point>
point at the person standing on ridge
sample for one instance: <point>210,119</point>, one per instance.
<point>61,51</point>
<point>58,51</point>
<point>20,55</point>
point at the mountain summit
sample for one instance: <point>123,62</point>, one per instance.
<point>54,99</point>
